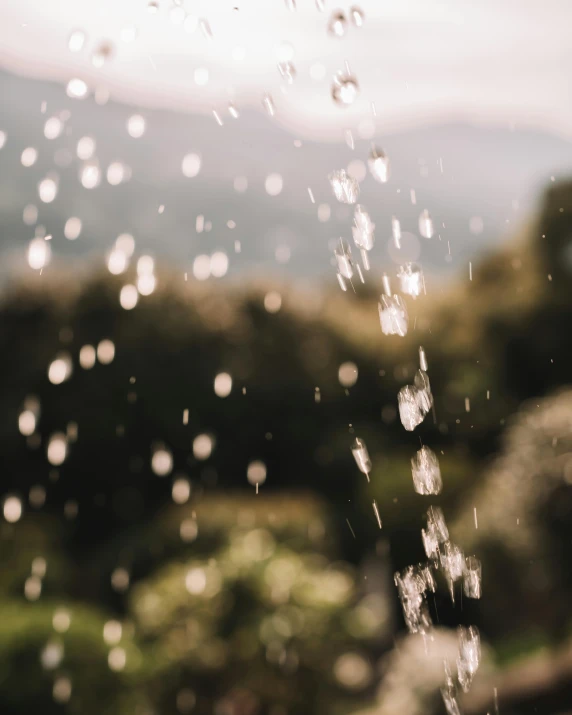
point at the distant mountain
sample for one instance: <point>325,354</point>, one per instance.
<point>457,172</point>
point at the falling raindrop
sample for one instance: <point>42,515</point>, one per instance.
<point>268,104</point>
<point>102,53</point>
<point>76,41</point>
<point>345,188</point>
<point>90,175</point>
<point>345,89</point>
<point>378,163</point>
<point>396,231</point>
<point>357,16</point>
<point>287,72</point>
<point>337,24</point>
<point>136,126</point>
<point>48,188</point>
<point>426,472</point>
<point>361,455</point>
<point>426,224</point>
<point>411,279</point>
<point>393,315</point>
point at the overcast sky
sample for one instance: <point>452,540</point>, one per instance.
<point>499,61</point>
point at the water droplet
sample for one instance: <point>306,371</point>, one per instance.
<point>287,71</point>
<point>29,156</point>
<point>90,175</point>
<point>426,224</point>
<point>48,188</point>
<point>102,53</point>
<point>337,24</point>
<point>357,16</point>
<point>268,104</point>
<point>345,188</point>
<point>205,28</point>
<point>378,163</point>
<point>136,126</point>
<point>76,41</point>
<point>345,89</point>
<point>76,88</point>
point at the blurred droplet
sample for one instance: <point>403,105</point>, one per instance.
<point>120,580</point>
<point>361,456</point>
<point>29,156</point>
<point>268,104</point>
<point>90,175</point>
<point>202,267</point>
<point>72,228</point>
<point>112,632</point>
<point>188,530</point>
<point>191,165</point>
<point>205,28</point>
<point>85,148</point>
<point>117,173</point>
<point>202,446</point>
<point>345,89</point>
<point>426,224</point>
<point>337,24</point>
<point>51,655</point>
<point>33,588</point>
<point>61,620</point>
<point>272,302</point>
<point>287,72</point>
<point>102,54</point>
<point>76,41</point>
<point>348,374</point>
<point>117,262</point>
<point>426,472</point>
<point>87,357</point>
<point>128,297</point>
<point>27,423</point>
<point>60,369</point>
<point>273,184</point>
<point>12,509</point>
<point>357,16</point>
<point>256,472</point>
<point>181,491</point>
<point>136,126</point>
<point>345,188</point>
<point>53,128</point>
<point>117,659</point>
<point>146,284</point>
<point>218,264</point>
<point>393,315</point>
<point>76,89</point>
<point>411,279</point>
<point>396,231</point>
<point>30,214</point>
<point>62,690</point>
<point>223,384</point>
<point>378,163</point>
<point>105,352</point>
<point>57,449</point>
<point>39,253</point>
<point>162,462</point>
<point>48,188</point>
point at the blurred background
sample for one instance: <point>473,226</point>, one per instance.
<point>183,528</point>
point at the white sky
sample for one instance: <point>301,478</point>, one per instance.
<point>498,61</point>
